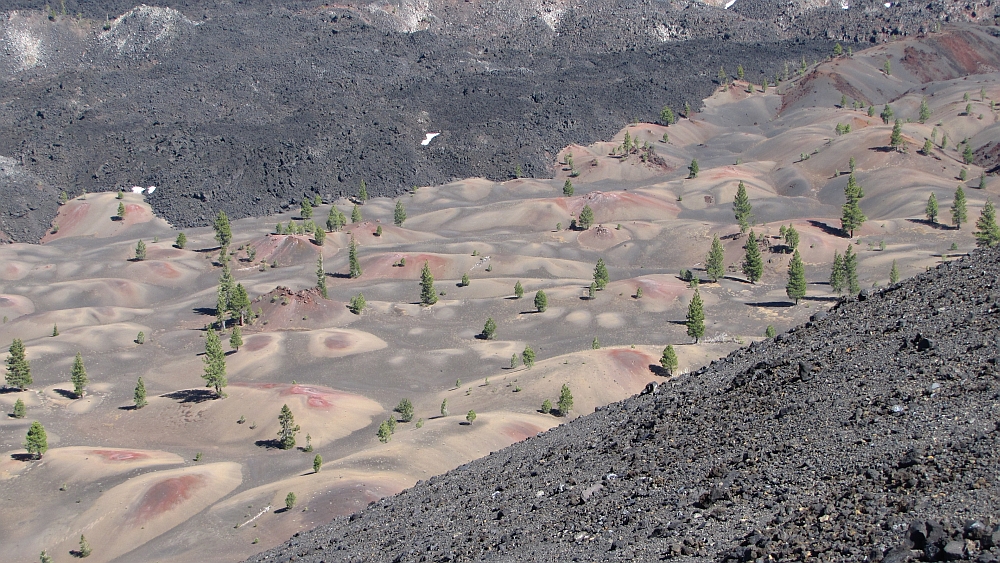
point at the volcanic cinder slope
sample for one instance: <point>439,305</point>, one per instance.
<point>247,107</point>
<point>134,483</point>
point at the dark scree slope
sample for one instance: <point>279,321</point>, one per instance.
<point>869,434</point>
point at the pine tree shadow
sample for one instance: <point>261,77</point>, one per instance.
<point>191,395</point>
<point>208,311</point>
<point>658,370</point>
<point>339,275</point>
<point>23,457</point>
<point>128,408</point>
<point>821,298</point>
<point>933,225</point>
<point>827,229</point>
<point>776,304</point>
<point>66,393</point>
<point>206,250</point>
<point>5,390</point>
<point>272,444</point>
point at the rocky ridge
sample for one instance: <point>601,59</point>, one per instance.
<point>869,434</point>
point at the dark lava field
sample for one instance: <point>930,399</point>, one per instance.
<point>869,434</point>
<point>248,106</point>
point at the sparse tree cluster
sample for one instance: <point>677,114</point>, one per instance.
<point>844,273</point>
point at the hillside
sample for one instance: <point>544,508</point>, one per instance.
<point>860,436</point>
<point>248,108</point>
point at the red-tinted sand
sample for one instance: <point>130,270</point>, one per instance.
<point>167,494</point>
<point>119,455</point>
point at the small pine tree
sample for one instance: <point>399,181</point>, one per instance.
<point>959,214</point>
<point>18,367</point>
<point>932,208</point>
<point>384,432</point>
<point>36,442</point>
<point>286,434</point>
<point>586,218</point>
<point>528,357</point>
<point>236,338</point>
<point>887,114</point>
<point>181,241</point>
<point>356,214</point>
<point>837,273</point>
<point>696,317</point>
<point>967,155</point>
<point>791,238</point>
<point>427,294</point>
<point>541,301</point>
<point>638,292</point>
<point>546,406</point>
<point>63,198</point>
<point>444,407</point>
<point>896,138</point>
<point>982,181</point>
<point>518,290</point>
<point>596,344</point>
<point>925,111</point>
<point>357,304</point>
<point>399,215</point>
<point>887,67</point>
<point>352,259</point>
<point>405,410</point>
<point>319,237</point>
<point>796,287</point>
<point>140,250</point>
<point>223,231</point>
<point>139,396</point>
<point>601,275</point>
<point>334,221</point>
<point>753,263</point>
<point>317,463</point>
<point>715,263</point>
<point>307,209</point>
<point>769,332</point>
<point>668,361</point>
<point>84,550</point>
<point>693,168</point>
<point>928,147</point>
<point>290,501</point>
<point>568,188</point>
<point>78,376</point>
<point>44,557</point>
<point>963,174</point>
<point>19,409</point>
<point>489,329</point>
<point>987,232</point>
<point>667,116</point>
<point>121,211</point>
<point>378,231</point>
<point>470,417</point>
<point>55,330</point>
<point>739,72</point>
<point>465,280</point>
<point>363,191</point>
<point>852,217</point>
<point>851,271</point>
<point>837,50</point>
<point>894,273</point>
<point>565,402</point>
<point>742,209</point>
<point>215,364</point>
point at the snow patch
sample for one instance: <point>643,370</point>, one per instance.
<point>428,138</point>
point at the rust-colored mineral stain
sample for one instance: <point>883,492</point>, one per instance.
<point>164,270</point>
<point>338,341</point>
<point>257,342</point>
<point>119,455</point>
<point>518,431</point>
<point>166,495</point>
<point>314,397</point>
<point>630,361</point>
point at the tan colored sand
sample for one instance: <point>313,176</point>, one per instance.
<point>337,343</point>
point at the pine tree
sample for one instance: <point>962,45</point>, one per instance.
<point>546,406</point>
<point>595,344</point>
<point>592,290</point>
<point>982,181</point>
<point>851,271</point>
<point>696,318</point>
<point>753,263</point>
<point>742,208</point>
<point>356,214</point>
<point>140,251</point>
<point>317,463</point>
<point>44,557</point>
<point>932,208</point>
<point>121,211</point>
<point>928,147</point>
<point>427,294</point>
<point>601,276</point>
<point>668,361</point>
<point>565,403</point>
<point>139,396</point>
<point>518,290</point>
<point>894,273</point>
<point>837,50</point>
<point>290,501</point>
<point>236,338</point>
<point>465,280</point>
<point>667,116</point>
<point>307,209</point>
<point>715,263</point>
<point>84,550</point>
<point>55,330</point>
<point>357,304</point>
<point>528,357</point>
<point>405,410</point>
<point>239,304</point>
<point>887,114</point>
<point>887,67</point>
<point>36,442</point>
<point>319,237</point>
<point>286,435</point>
<point>987,232</point>
<point>925,111</point>
<point>791,238</point>
<point>586,218</point>
<point>181,241</point>
<point>852,218</point>
<point>352,258</point>
<point>470,416</point>
<point>363,192</point>
<point>693,168</point>
<point>18,367</point>
<point>541,301</point>
<point>489,329</point>
<point>384,432</point>
<point>959,214</point>
<point>837,273</point>
<point>334,221</point>
<point>223,231</point>
<point>739,72</point>
<point>444,407</point>
<point>19,409</point>
<point>79,376</point>
<point>399,215</point>
<point>796,287</point>
<point>568,188</point>
<point>967,155</point>
<point>896,138</point>
<point>215,364</point>
<point>321,277</point>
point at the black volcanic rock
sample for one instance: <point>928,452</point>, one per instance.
<point>887,451</point>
